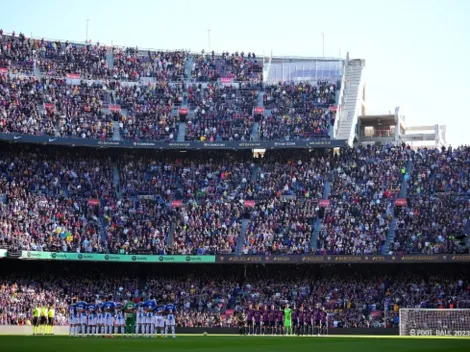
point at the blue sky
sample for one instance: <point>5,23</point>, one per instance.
<point>417,52</point>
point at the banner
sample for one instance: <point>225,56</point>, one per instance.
<point>259,110</point>
<point>324,203</point>
<point>400,202</point>
<point>3,253</point>
<point>176,203</point>
<point>93,202</point>
<point>73,75</point>
<point>222,145</point>
<point>226,80</point>
<point>49,106</point>
<point>347,259</point>
<point>250,203</point>
<point>124,258</point>
<point>115,108</point>
<point>3,70</point>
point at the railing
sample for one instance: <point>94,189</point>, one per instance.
<point>378,134</point>
<point>341,97</point>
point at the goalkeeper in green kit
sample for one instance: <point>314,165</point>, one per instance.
<point>130,311</point>
<point>288,320</point>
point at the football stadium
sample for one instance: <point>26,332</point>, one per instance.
<point>221,199</point>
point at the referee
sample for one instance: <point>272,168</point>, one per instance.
<point>36,318</point>
<point>44,314</point>
<point>50,320</point>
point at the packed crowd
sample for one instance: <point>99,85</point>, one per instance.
<point>297,110</point>
<point>16,53</point>
<point>59,59</point>
<point>228,202</point>
<point>149,109</point>
<point>438,209</point>
<point>220,112</point>
<point>353,297</point>
<point>281,227</point>
<point>208,67</point>
<point>50,105</point>
<point>45,200</point>
<point>132,64</point>
<point>365,181</point>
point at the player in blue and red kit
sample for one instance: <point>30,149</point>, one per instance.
<point>272,320</point>
<point>324,322</point>
<point>257,318</point>
<point>249,319</point>
<point>280,322</point>
<point>317,321</point>
<point>265,320</point>
<point>301,319</point>
<point>295,321</point>
<point>308,321</point>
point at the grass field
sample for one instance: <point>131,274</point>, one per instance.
<point>231,344</point>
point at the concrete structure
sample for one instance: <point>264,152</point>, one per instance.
<point>392,128</point>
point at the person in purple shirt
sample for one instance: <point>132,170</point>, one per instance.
<point>301,319</point>
<point>249,319</point>
<point>272,314</point>
<point>265,320</point>
<point>308,321</point>
<point>324,322</point>
<point>295,320</point>
<point>280,322</point>
<point>318,321</point>
<point>257,318</point>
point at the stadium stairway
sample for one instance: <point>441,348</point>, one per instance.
<point>169,238</point>
<point>260,98</point>
<point>318,222</point>
<point>351,104</point>
<point>241,236</point>
<point>110,59</point>
<point>37,72</point>
<point>117,181</point>
<point>255,129</point>
<point>404,183</point>
<point>255,132</point>
<point>181,131</point>
<point>102,229</point>
<point>187,70</point>
<point>393,223</point>
<point>116,127</point>
<point>390,234</point>
<point>116,131</point>
<point>254,173</point>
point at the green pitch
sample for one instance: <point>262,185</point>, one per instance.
<point>230,344</point>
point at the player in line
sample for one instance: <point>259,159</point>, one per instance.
<point>170,310</point>
<point>150,306</point>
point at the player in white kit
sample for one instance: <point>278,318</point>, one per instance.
<point>140,320</point>
<point>120,322</point>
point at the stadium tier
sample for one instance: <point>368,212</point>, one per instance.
<point>215,296</point>
<point>75,92</point>
<point>193,203</point>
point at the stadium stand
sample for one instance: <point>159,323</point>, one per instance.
<point>367,297</point>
